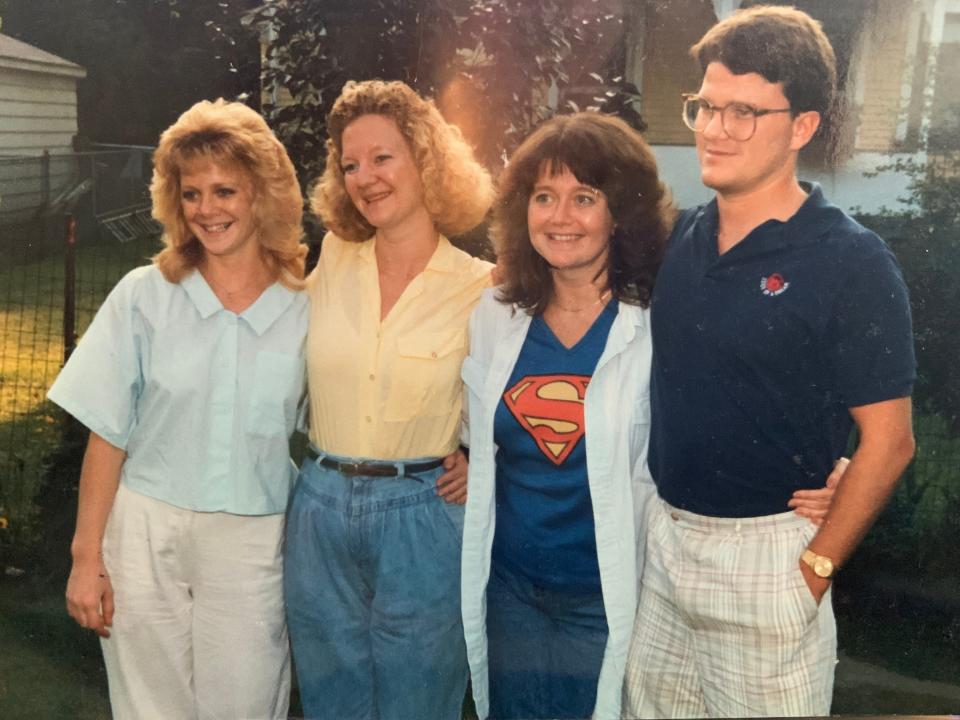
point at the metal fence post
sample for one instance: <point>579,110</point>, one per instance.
<point>69,286</point>
<point>45,178</point>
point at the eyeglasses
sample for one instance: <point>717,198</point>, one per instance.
<point>738,120</point>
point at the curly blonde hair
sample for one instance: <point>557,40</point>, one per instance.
<point>457,190</point>
<point>229,133</point>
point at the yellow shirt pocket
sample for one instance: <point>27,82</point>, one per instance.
<point>425,377</point>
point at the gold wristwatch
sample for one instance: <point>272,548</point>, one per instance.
<point>821,564</point>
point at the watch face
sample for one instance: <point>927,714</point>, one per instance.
<point>823,567</point>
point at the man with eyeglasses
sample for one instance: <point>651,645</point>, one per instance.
<point>778,323</point>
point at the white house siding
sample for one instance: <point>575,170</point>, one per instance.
<point>38,113</point>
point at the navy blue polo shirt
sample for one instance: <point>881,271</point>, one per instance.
<point>760,352</point>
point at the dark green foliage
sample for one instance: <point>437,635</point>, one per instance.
<point>57,502</point>
<point>147,60</point>
<point>926,239</point>
<point>492,64</point>
<point>914,532</point>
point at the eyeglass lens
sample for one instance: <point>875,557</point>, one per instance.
<point>737,120</point>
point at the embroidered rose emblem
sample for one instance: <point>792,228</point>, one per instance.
<point>773,284</point>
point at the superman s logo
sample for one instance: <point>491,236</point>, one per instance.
<point>550,409</point>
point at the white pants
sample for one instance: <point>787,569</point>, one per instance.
<point>198,630</point>
<point>726,625</point>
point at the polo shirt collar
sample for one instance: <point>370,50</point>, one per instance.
<point>809,223</point>
<point>814,218</point>
<point>259,316</point>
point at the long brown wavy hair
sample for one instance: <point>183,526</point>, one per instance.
<point>602,152</point>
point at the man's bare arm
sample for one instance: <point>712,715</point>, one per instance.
<point>886,447</point>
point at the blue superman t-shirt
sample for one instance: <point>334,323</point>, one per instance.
<point>545,529</point>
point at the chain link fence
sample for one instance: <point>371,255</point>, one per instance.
<point>52,281</point>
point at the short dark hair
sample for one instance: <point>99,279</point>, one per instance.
<point>784,45</point>
<point>607,154</point>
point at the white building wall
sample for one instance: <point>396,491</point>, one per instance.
<point>847,187</point>
<point>37,112</point>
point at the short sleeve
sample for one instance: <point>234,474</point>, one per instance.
<point>871,333</point>
<point>102,380</point>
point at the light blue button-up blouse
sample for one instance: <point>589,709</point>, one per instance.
<point>202,400</point>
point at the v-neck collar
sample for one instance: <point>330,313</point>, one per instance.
<point>441,261</point>
<point>611,307</point>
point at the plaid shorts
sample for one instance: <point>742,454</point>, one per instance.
<point>726,625</point>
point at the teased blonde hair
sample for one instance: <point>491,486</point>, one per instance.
<point>457,190</point>
<point>229,133</point>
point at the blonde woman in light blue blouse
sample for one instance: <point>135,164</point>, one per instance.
<point>188,379</point>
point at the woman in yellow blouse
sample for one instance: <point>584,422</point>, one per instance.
<point>374,529</point>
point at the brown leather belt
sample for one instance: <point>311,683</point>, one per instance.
<point>374,469</point>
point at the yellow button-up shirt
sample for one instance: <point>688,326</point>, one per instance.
<point>388,389</point>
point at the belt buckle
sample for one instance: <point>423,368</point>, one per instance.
<point>351,468</point>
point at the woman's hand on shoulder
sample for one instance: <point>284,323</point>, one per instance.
<point>452,485</point>
<point>90,596</point>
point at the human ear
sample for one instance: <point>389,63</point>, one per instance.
<point>805,126</point>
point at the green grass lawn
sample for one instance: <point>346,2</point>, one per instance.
<point>49,666</point>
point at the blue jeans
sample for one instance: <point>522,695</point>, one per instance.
<point>372,589</point>
<point>545,649</point>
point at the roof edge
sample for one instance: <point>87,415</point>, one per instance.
<point>74,71</point>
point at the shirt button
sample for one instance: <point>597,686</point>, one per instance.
<point>433,354</point>
<point>369,419</point>
<point>674,516</point>
<point>372,376</point>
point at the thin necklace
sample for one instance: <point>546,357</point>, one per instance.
<point>602,299</point>
<point>233,293</point>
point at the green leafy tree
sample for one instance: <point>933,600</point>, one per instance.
<point>494,65</point>
<point>925,235</point>
<point>146,60</point>
<point>926,238</point>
